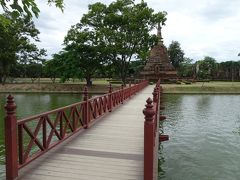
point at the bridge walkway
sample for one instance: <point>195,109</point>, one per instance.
<point>110,149</point>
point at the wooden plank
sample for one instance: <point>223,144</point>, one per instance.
<point>111,149</point>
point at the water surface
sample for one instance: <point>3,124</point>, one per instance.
<point>31,104</point>
<point>204,140</point>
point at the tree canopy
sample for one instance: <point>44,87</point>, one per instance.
<point>206,68</point>
<point>26,7</point>
<point>17,43</point>
<point>114,33</point>
<point>176,54</point>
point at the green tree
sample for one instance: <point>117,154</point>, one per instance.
<point>206,68</point>
<point>124,28</point>
<point>34,71</point>
<point>176,54</point>
<point>51,69</point>
<point>186,68</point>
<point>135,67</point>
<point>25,7</point>
<point>85,51</point>
<point>66,65</point>
<point>17,43</point>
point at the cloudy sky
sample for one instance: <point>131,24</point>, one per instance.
<point>203,27</point>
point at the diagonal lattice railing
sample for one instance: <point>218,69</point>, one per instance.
<point>27,139</point>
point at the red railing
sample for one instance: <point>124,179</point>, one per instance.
<point>151,133</point>
<point>27,139</point>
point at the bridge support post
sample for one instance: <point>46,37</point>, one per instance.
<point>149,140</point>
<point>86,115</point>
<point>11,139</point>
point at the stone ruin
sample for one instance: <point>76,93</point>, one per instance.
<point>158,64</point>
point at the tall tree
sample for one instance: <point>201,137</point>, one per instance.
<point>52,69</point>
<point>206,68</point>
<point>176,54</point>
<point>124,27</point>
<point>186,68</point>
<point>17,43</point>
<point>66,66</point>
<point>85,51</point>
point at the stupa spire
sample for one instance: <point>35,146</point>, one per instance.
<point>159,34</point>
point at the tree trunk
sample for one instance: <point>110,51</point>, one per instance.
<point>124,72</point>
<point>88,80</point>
<point>1,81</point>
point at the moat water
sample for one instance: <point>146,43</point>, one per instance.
<point>31,104</point>
<point>204,133</point>
<point>204,140</point>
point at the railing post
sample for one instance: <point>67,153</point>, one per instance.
<point>155,95</point>
<point>122,94</point>
<point>110,97</point>
<point>149,140</point>
<point>11,139</point>
<point>130,84</point>
<point>155,102</point>
<point>86,108</point>
<point>44,132</point>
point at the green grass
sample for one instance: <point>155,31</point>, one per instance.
<point>71,81</point>
<point>207,87</point>
<point>100,85</point>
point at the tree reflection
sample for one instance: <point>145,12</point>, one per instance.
<point>161,160</point>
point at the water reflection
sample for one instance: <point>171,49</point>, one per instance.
<point>204,137</point>
<point>169,103</point>
<point>237,127</point>
<point>161,160</point>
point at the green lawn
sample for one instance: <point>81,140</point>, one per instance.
<point>100,84</point>
<point>207,87</point>
<point>71,81</point>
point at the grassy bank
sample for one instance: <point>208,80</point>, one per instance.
<point>99,86</point>
<point>214,87</point>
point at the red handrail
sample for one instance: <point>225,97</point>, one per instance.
<point>151,133</point>
<point>44,131</point>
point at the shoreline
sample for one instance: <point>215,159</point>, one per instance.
<point>195,88</point>
<point>55,88</point>
<point>205,92</point>
<point>53,92</point>
<point>200,88</point>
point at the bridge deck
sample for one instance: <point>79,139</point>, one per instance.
<point>111,149</point>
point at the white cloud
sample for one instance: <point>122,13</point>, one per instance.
<point>203,28</point>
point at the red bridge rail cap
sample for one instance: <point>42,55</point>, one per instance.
<point>10,107</point>
<point>149,111</point>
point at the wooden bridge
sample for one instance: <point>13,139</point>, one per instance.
<point>102,138</point>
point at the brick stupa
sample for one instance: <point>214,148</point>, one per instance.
<point>158,64</point>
